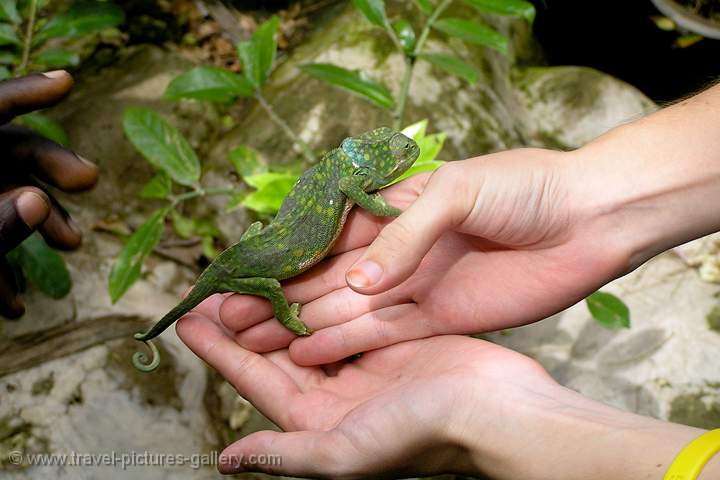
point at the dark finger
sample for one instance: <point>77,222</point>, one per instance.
<point>11,306</point>
<point>58,229</point>
<point>32,92</point>
<point>21,211</point>
<point>29,152</point>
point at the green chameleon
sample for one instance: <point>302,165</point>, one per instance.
<point>309,221</point>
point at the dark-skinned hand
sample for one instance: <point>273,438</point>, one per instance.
<point>30,163</point>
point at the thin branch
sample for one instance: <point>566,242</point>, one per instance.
<point>307,152</point>
<point>428,25</point>
<point>27,44</point>
<point>200,192</point>
<point>410,60</point>
<point>404,92</point>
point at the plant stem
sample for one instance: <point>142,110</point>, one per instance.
<point>428,25</point>
<point>27,44</point>
<point>410,61</point>
<point>404,92</point>
<point>175,199</point>
<point>307,152</point>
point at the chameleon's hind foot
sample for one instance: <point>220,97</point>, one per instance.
<point>293,322</point>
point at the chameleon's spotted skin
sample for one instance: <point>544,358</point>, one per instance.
<point>308,223</point>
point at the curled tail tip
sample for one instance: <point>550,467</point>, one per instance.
<point>140,359</point>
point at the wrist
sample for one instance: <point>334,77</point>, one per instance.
<point>562,435</point>
<point>654,183</point>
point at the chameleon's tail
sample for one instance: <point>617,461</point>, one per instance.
<point>205,286</point>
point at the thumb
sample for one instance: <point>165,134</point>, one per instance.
<point>400,247</point>
<point>297,454</point>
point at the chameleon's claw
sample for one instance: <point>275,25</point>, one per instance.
<point>140,359</point>
<point>295,324</point>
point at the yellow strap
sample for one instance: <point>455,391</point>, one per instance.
<point>691,460</point>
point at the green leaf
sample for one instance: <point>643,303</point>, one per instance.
<point>209,84</point>
<point>235,201</point>
<point>405,34</point>
<point>127,267</point>
<point>82,18</point>
<point>270,196</point>
<point>262,180</point>
<point>246,161</point>
<point>416,131</point>
<point>452,65</point>
<point>57,58</point>
<point>8,58</point>
<point>608,310</point>
<point>514,8</point>
<point>4,73</point>
<point>373,10</point>
<point>43,266</point>
<point>8,35</point>
<point>184,226</point>
<point>425,6</point>
<point>8,11</point>
<point>430,147</point>
<point>473,32</point>
<point>162,145</point>
<point>258,53</point>
<point>158,187</point>
<point>372,91</point>
<point>46,127</point>
<point>208,247</point>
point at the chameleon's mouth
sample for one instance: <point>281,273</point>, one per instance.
<point>406,150</point>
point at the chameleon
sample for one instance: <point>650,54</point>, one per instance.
<point>302,233</point>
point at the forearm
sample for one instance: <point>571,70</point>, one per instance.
<point>565,436</point>
<point>654,183</point>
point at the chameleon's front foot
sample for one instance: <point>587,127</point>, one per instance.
<point>293,322</point>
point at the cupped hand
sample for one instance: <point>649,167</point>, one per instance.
<point>484,244</point>
<point>30,162</point>
<point>413,408</point>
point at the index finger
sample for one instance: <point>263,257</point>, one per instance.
<point>32,92</point>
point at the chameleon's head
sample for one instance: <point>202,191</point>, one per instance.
<point>381,154</point>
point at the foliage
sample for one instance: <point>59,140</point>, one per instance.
<point>608,310</point>
<point>32,41</point>
<point>42,266</point>
<point>412,47</point>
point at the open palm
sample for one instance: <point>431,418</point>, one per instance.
<point>396,410</point>
<point>498,268</point>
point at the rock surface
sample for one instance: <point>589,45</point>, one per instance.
<point>91,401</point>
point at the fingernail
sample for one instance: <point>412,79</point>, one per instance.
<point>73,226</point>
<point>85,161</point>
<point>32,208</point>
<point>365,274</point>
<point>55,74</point>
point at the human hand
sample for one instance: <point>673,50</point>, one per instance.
<point>488,243</point>
<point>30,162</point>
<point>443,404</point>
